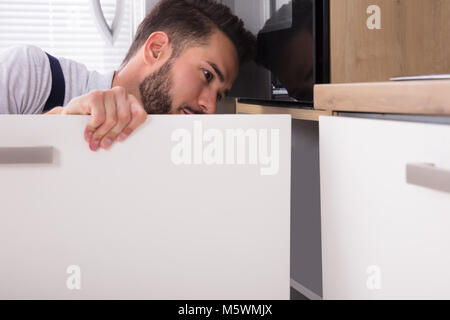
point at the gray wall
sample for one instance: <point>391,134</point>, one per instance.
<point>149,4</point>
<point>306,256</point>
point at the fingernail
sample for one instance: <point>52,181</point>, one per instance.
<point>122,136</point>
<point>95,145</point>
<point>107,142</point>
<point>88,135</point>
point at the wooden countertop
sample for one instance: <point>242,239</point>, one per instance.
<point>430,97</point>
<point>296,113</point>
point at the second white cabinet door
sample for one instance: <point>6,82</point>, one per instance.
<point>384,238</point>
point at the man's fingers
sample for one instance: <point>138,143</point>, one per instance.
<point>115,114</point>
<point>123,116</point>
<point>138,116</point>
<point>96,109</point>
<point>109,105</point>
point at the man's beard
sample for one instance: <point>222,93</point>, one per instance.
<point>155,90</point>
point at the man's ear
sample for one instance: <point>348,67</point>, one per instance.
<point>156,48</point>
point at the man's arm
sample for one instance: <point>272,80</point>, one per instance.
<point>25,84</point>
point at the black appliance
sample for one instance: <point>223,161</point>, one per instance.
<point>292,51</point>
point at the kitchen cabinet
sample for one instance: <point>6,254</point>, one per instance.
<point>140,224</point>
<point>385,209</point>
<point>383,200</point>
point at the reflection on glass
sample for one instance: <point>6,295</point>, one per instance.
<point>285,47</point>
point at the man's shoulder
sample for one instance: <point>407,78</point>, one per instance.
<point>24,55</point>
<point>25,77</point>
<point>26,50</point>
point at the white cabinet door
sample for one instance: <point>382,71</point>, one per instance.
<point>381,236</point>
<point>138,224</point>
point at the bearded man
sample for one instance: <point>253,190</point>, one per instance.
<point>184,58</point>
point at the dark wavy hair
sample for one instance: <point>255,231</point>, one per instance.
<point>190,23</point>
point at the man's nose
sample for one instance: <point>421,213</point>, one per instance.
<point>208,102</point>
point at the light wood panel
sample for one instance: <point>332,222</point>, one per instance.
<point>300,114</point>
<point>414,39</point>
<point>408,97</point>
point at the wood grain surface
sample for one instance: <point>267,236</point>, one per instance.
<point>404,97</point>
<point>414,39</point>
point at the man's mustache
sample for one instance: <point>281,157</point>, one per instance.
<point>191,109</point>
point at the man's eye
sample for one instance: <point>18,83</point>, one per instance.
<point>208,75</point>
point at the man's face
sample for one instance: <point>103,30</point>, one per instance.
<point>194,81</point>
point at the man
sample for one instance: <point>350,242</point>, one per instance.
<point>183,59</point>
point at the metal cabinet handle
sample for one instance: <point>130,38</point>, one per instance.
<point>26,155</point>
<point>428,175</point>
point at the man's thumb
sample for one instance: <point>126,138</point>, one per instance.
<point>56,110</point>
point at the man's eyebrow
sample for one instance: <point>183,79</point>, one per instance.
<point>217,70</point>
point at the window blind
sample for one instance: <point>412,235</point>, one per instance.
<point>66,29</point>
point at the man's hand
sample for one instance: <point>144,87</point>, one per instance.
<point>115,115</point>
